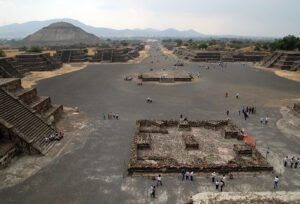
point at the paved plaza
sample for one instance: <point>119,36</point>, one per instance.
<point>96,170</point>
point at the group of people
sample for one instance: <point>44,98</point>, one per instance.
<point>111,116</point>
<point>219,184</point>
<point>247,110</point>
<point>187,175</point>
<point>152,188</point>
<point>57,136</point>
<point>293,161</point>
<point>264,120</point>
<point>181,118</point>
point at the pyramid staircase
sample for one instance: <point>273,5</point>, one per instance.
<point>26,116</point>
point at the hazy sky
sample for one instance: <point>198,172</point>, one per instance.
<point>240,17</point>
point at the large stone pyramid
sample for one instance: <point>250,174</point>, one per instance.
<point>60,34</point>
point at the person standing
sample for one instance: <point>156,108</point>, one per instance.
<point>159,180</point>
<point>217,185</point>
<point>261,120</point>
<point>183,173</point>
<point>187,175</point>
<point>276,180</point>
<point>267,119</point>
<point>297,162</point>
<point>285,160</point>
<point>213,176</point>
<point>104,116</point>
<point>239,112</point>
<point>292,162</point>
<point>192,176</point>
<point>227,112</point>
<point>117,116</point>
<point>237,96</point>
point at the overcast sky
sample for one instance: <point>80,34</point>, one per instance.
<point>239,17</point>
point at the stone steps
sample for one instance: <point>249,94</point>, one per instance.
<point>28,126</point>
<point>41,104</point>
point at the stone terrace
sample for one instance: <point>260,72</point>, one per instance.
<point>200,146</point>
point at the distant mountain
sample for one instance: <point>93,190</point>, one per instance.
<point>60,33</point>
<point>21,30</point>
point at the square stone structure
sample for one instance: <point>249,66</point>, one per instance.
<point>166,76</point>
<point>167,146</point>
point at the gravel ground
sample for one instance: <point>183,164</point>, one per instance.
<point>95,172</point>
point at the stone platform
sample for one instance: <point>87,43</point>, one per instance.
<point>166,76</point>
<point>168,146</point>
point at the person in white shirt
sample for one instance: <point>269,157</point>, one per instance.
<point>159,180</point>
<point>192,175</point>
<point>213,176</point>
<point>187,175</point>
<point>276,180</point>
<point>217,185</point>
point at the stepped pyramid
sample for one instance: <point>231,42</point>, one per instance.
<point>26,118</point>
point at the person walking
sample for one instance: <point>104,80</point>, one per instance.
<point>276,180</point>
<point>237,96</point>
<point>151,190</point>
<point>159,180</point>
<point>221,185</point>
<point>213,176</point>
<point>117,116</point>
<point>285,160</point>
<point>217,185</point>
<point>227,112</point>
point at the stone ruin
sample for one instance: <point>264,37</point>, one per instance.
<point>36,62</point>
<point>216,56</point>
<point>116,54</point>
<point>8,68</point>
<point>166,76</point>
<point>71,55</point>
<point>283,60</point>
<point>25,120</point>
<point>167,146</point>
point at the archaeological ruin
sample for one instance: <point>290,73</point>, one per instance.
<point>25,120</point>
<point>216,56</point>
<point>70,55</point>
<point>166,76</point>
<point>283,60</point>
<point>168,146</point>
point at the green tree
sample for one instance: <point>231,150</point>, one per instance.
<point>202,46</point>
<point>85,50</point>
<point>179,42</point>
<point>257,47</point>
<point>2,53</point>
<point>23,48</point>
<point>124,43</point>
<point>36,49</point>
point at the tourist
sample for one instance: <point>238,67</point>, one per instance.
<point>247,109</point>
<point>224,178</point>
<point>261,120</point>
<point>267,153</point>
<point>285,160</point>
<point>267,119</point>
<point>213,176</point>
<point>192,175</point>
<point>292,162</point>
<point>226,94</point>
<point>217,185</point>
<point>222,185</point>
<point>159,180</point>
<point>183,173</point>
<point>227,112</point>
<point>181,116</point>
<point>239,112</point>
<point>117,116</point>
<point>276,180</point>
<point>152,191</point>
<point>237,96</point>
<point>104,116</point>
<point>187,175</point>
<point>46,139</point>
<point>297,162</point>
<point>114,115</point>
<point>245,115</point>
